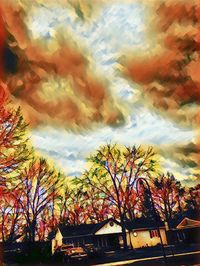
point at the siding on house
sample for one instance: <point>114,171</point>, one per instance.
<point>186,231</point>
<point>145,238</point>
<point>109,228</point>
<point>57,241</point>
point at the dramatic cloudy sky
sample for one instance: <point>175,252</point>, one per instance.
<point>117,27</point>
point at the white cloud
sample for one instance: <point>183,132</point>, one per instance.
<point>118,27</point>
<point>143,127</point>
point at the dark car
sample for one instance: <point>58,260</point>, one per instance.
<point>75,253</point>
<point>61,252</point>
<point>91,250</point>
<point>69,253</point>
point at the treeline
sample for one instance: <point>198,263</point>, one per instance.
<point>35,198</point>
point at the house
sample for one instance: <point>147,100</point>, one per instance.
<point>187,223</point>
<point>144,233</point>
<point>108,234</point>
<point>187,231</point>
<point>103,235</point>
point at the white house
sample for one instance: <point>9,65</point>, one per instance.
<point>104,234</point>
<point>108,234</point>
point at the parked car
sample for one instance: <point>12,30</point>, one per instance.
<point>65,247</point>
<point>74,253</point>
<point>61,252</point>
<point>91,250</point>
<point>77,253</point>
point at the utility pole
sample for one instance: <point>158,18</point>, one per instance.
<point>141,181</point>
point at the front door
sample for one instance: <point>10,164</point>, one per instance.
<point>113,242</point>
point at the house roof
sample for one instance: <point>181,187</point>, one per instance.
<point>142,223</point>
<point>188,223</point>
<point>51,234</point>
<point>82,229</point>
<point>91,229</point>
<point>178,218</point>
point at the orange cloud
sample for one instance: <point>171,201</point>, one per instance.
<point>85,98</point>
<point>170,79</point>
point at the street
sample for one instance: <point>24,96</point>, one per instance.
<point>181,259</point>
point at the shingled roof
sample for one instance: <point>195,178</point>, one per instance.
<point>188,223</point>
<point>142,223</point>
<point>91,229</point>
<point>82,229</point>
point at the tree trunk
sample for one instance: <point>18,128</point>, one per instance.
<point>166,214</point>
<point>1,254</point>
<point>125,246</point>
<point>32,230</point>
<point>12,231</point>
<point>179,205</point>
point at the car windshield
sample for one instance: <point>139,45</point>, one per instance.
<point>64,247</point>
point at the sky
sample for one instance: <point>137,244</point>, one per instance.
<point>104,39</point>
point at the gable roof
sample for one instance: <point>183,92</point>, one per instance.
<point>82,229</point>
<point>112,227</point>
<point>188,223</point>
<point>91,229</point>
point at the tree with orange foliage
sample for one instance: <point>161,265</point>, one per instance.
<point>193,199</point>
<point>97,205</point>
<point>172,200</point>
<point>11,225</point>
<point>77,213</point>
<point>2,45</point>
<point>113,172</point>
<point>14,153</point>
<point>89,205</point>
<point>13,141</point>
<point>168,196</point>
<point>39,185</point>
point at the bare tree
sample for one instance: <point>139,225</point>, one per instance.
<point>39,186</point>
<point>113,171</point>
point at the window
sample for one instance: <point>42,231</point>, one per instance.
<point>153,233</point>
<point>111,223</point>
